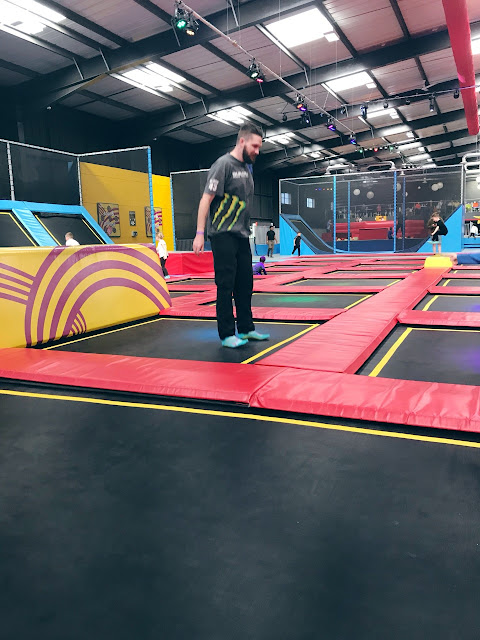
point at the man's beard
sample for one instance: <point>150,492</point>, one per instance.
<point>247,158</point>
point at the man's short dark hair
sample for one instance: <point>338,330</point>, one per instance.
<point>249,129</point>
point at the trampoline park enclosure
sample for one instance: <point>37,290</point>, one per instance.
<point>373,211</point>
<point>102,198</point>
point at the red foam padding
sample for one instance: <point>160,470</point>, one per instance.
<point>455,291</point>
<point>420,404</point>
<point>344,343</point>
<point>441,318</point>
<point>188,262</point>
<point>164,377</point>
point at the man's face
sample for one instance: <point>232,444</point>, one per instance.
<point>251,148</point>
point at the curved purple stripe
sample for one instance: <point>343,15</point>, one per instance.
<point>97,286</point>
<point>14,289</point>
<point>66,265</point>
<point>83,323</point>
<point>52,256</point>
<point>79,278</point>
<point>7,267</point>
<point>6,296</point>
<point>27,285</point>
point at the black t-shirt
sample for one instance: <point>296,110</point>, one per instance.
<point>270,235</point>
<point>442,229</point>
<point>231,182</point>
<point>297,240</point>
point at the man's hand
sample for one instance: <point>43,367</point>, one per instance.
<point>198,244</point>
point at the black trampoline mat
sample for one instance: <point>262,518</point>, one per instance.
<point>314,300</point>
<point>181,339</point>
<point>444,302</point>
<point>431,355</point>
<point>145,522</point>
<point>12,233</point>
<point>58,225</point>
<point>344,282</point>
<point>459,282</point>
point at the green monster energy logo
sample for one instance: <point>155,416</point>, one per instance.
<point>235,203</point>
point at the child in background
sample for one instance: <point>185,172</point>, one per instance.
<point>259,268</point>
<point>437,228</point>
<point>162,254</point>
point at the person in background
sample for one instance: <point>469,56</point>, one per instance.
<point>437,228</point>
<point>390,233</point>
<point>70,240</point>
<point>259,267</point>
<point>162,254</point>
<point>226,204</point>
<point>296,243</point>
<point>473,230</point>
<point>271,239</point>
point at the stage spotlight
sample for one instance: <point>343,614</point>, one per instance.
<point>385,104</point>
<point>353,139</point>
<point>305,119</point>
<point>364,110</point>
<point>407,101</point>
<point>432,103</point>
<point>456,94</point>
<point>284,117</point>
<point>180,19</point>
<point>300,103</point>
<point>191,27</point>
<point>254,70</point>
<point>375,149</point>
<point>343,110</point>
<point>331,125</point>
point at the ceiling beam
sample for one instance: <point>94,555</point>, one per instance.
<point>85,23</point>
<point>160,45</point>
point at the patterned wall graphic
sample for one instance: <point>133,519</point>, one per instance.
<point>69,292</point>
<point>158,220</point>
<point>108,215</point>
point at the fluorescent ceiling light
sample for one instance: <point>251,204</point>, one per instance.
<point>315,155</point>
<point>410,134</point>
<point>147,79</point>
<point>230,116</point>
<point>139,85</point>
<point>411,145</point>
<point>422,156</point>
<point>476,46</point>
<point>371,85</point>
<point>26,15</point>
<point>301,28</point>
<point>349,82</point>
<point>164,73</point>
<point>383,112</point>
<point>331,37</point>
<point>284,138</point>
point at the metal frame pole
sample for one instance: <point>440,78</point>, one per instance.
<point>10,172</point>
<point>150,188</point>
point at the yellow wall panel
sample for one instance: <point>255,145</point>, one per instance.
<point>130,191</point>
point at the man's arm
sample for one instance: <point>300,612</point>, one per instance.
<point>203,209</point>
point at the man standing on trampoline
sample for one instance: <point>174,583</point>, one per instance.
<point>226,203</point>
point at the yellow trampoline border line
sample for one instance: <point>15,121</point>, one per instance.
<point>246,416</point>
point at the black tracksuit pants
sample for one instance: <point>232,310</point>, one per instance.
<point>232,260</point>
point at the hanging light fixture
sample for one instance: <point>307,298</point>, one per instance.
<point>300,103</point>
<point>181,17</point>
